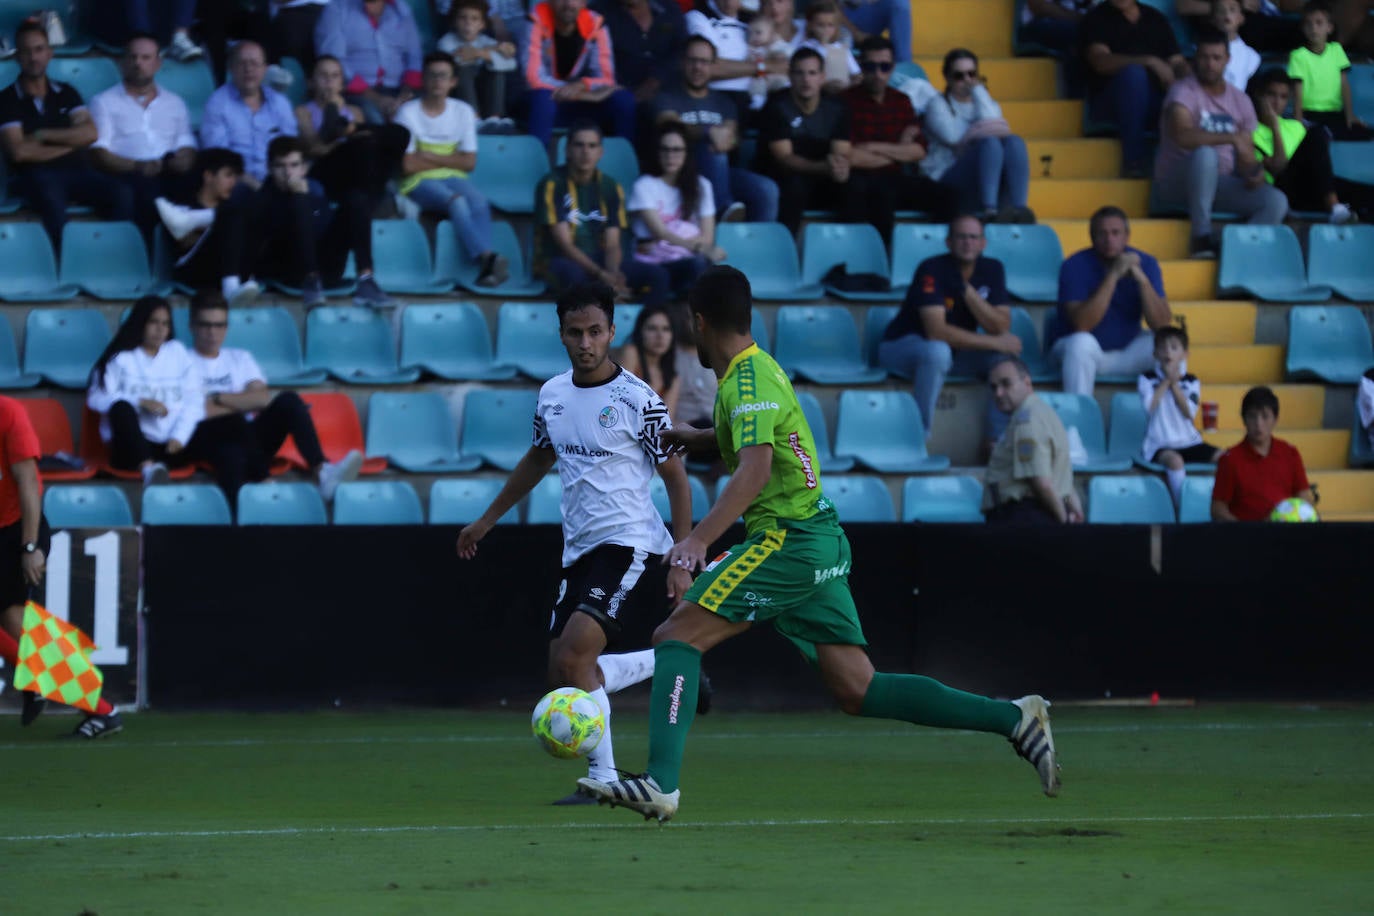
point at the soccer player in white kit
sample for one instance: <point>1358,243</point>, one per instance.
<point>601,425</point>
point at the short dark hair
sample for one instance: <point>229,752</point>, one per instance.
<point>1171,332</point>
<point>1260,82</point>
<point>140,36</point>
<point>723,297</point>
<point>954,56</point>
<point>1208,35</point>
<point>821,6</point>
<point>321,58</point>
<point>29,25</point>
<point>203,300</point>
<point>1006,359</point>
<point>692,39</point>
<point>585,124</point>
<point>802,54</point>
<point>281,147</point>
<point>441,57</point>
<point>877,43</point>
<point>480,6</point>
<point>587,294</point>
<point>1316,6</point>
<point>1258,398</point>
<point>214,158</point>
<point>1111,211</point>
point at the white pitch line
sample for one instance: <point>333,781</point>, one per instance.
<point>707,825</point>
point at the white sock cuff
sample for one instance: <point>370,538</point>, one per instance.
<point>626,668</point>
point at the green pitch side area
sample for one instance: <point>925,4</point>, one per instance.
<point>1243,809</point>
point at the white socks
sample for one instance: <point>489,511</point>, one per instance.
<point>627,668</point>
<point>601,761</point>
<point>1175,479</point>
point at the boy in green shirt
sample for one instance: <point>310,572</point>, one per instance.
<point>1321,74</point>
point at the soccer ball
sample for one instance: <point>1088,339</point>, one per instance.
<point>568,723</point>
<point>1293,510</point>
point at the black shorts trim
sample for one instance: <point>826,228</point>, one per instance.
<point>1202,453</point>
<point>13,589</point>
<point>598,584</point>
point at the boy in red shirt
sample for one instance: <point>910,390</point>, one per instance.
<point>1262,471</point>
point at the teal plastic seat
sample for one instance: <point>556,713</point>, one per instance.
<point>414,430</point>
<point>1136,499</point>
<point>185,504</point>
<point>618,160</point>
<point>62,345</point>
<point>1032,354</point>
<point>857,246</point>
<point>1126,435</point>
<point>658,492</point>
<point>377,502</point>
<point>766,252</point>
<point>912,243</point>
<point>30,272</point>
<point>400,251</point>
<point>1362,91</point>
<point>91,505</point>
<point>1079,411</point>
<point>497,424</point>
<point>1265,261</point>
<point>815,418</point>
<point>876,320</point>
<point>860,498</point>
<point>271,335</point>
<point>299,81</point>
<point>450,340</point>
<point>8,204</point>
<point>508,170</point>
<point>193,80</point>
<point>455,265</point>
<point>1329,342</point>
<point>108,260</point>
<point>527,339</point>
<point>11,376</point>
<point>1361,453</point>
<point>820,343</point>
<point>462,500</point>
<point>882,430</point>
<point>758,327</point>
<point>1196,504</point>
<point>1342,257</point>
<point>942,498</point>
<point>281,503</point>
<point>546,502</point>
<point>1031,256</point>
<point>89,76</point>
<point>1350,159</point>
<point>354,345</point>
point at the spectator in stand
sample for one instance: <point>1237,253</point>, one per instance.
<point>182,14</point>
<point>888,146</point>
<point>148,393</point>
<point>209,230</point>
<point>1245,60</point>
<point>787,25</point>
<point>1260,471</point>
<point>873,17</point>
<point>651,356</point>
<point>764,43</point>
<point>1030,476</point>
<point>379,46</point>
<point>1320,71</point>
<point>439,161</point>
<point>1133,59</point>
<point>1269,27</point>
<point>508,21</point>
<point>972,148</point>
<point>244,115</point>
<point>292,30</point>
<point>571,72</point>
<point>957,302</point>
<point>1206,154</point>
<point>674,213</point>
<point>485,65</point>
<point>1171,396</point>
<point>145,138</point>
<point>823,36</point>
<point>718,21</point>
<point>1054,23</point>
<point>696,402</point>
<point>712,123</point>
<point>1104,293</point>
<point>46,130</point>
<point>647,37</point>
<point>579,213</point>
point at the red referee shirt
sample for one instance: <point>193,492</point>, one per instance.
<point>1252,484</point>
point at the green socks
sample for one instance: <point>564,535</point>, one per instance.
<point>923,701</point>
<point>673,705</point>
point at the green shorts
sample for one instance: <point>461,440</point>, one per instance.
<point>796,576</point>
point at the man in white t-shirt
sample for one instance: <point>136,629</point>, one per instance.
<point>718,22</point>
<point>601,425</point>
<point>245,424</point>
<point>441,155</point>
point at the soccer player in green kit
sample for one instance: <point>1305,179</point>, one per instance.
<point>792,571</point>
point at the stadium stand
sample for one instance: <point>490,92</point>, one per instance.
<point>281,503</point>
<point>101,505</point>
<point>377,502</point>
<point>185,504</point>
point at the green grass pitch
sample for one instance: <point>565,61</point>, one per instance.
<point>1239,809</point>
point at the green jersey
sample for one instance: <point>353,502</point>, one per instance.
<point>756,405</point>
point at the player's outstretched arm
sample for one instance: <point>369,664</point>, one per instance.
<point>680,503</point>
<point>755,465</point>
<point>531,469</point>
<point>681,439</point>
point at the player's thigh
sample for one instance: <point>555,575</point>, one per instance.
<point>698,627</point>
<point>596,586</point>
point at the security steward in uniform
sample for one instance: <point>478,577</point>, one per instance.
<point>1029,478</point>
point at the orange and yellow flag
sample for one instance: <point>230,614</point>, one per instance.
<point>55,661</point>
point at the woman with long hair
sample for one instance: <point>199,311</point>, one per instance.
<point>973,149</point>
<point>148,392</point>
<point>651,356</point>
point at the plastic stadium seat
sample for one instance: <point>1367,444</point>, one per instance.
<point>1031,256</point>
<point>882,430</point>
<point>88,505</point>
<point>273,338</point>
<point>87,75</point>
<point>8,204</point>
<point>497,424</point>
<point>30,273</point>
<point>860,498</point>
<point>766,252</point>
<point>415,431</point>
<point>758,327</point>
<point>54,430</point>
<point>108,260</point>
<point>354,345</point>
<point>11,376</point>
<point>1126,434</point>
<point>545,502</point>
<point>1340,257</point>
<point>462,500</point>
<point>1329,342</point>
<point>279,503</point>
<point>820,343</point>
<point>1032,354</point>
<point>1081,412</point>
<point>1351,160</point>
<point>857,246</point>
<point>1196,505</point>
<point>1129,499</point>
<point>400,249</point>
<point>452,263</point>
<point>1362,91</point>
<point>96,453</point>
<point>338,428</point>
<point>424,21</point>
<point>193,81</point>
<point>815,418</point>
<point>62,345</point>
<point>1265,261</point>
<point>618,160</point>
<point>508,170</point>
<point>876,321</point>
<point>377,502</point>
<point>658,492</point>
<point>912,243</point>
<point>186,504</point>
<point>450,340</point>
<point>941,498</point>
<point>527,339</point>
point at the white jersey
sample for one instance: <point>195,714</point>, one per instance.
<point>230,372</point>
<point>606,438</point>
<point>1169,427</point>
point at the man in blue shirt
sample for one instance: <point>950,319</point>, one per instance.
<point>244,115</point>
<point>378,44</point>
<point>956,301</point>
<point>1104,292</point>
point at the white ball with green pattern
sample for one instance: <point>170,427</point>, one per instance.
<point>1294,510</point>
<point>568,723</point>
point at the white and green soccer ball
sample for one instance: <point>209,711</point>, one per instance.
<point>1293,510</point>
<point>568,723</point>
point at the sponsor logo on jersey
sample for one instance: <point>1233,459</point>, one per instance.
<point>808,469</point>
<point>607,417</point>
<point>753,407</point>
<point>577,448</point>
<point>833,572</point>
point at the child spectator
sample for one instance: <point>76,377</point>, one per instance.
<point>1262,470</point>
<point>1171,397</point>
<point>765,43</point>
<point>1321,73</point>
<point>1228,17</point>
<point>484,64</point>
<point>823,35</point>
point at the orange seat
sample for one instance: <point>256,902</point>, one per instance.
<point>96,453</point>
<point>49,420</point>
<point>340,431</point>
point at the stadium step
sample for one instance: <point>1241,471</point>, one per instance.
<point>1218,323</point>
<point>1189,280</point>
<point>1061,198</point>
<point>1166,239</point>
<point>1254,365</point>
<point>1300,406</point>
<point>938,25</point>
<point>1074,159</point>
<point>1060,119</point>
<point>1009,79</point>
<point>1321,449</point>
<point>1344,495</point>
